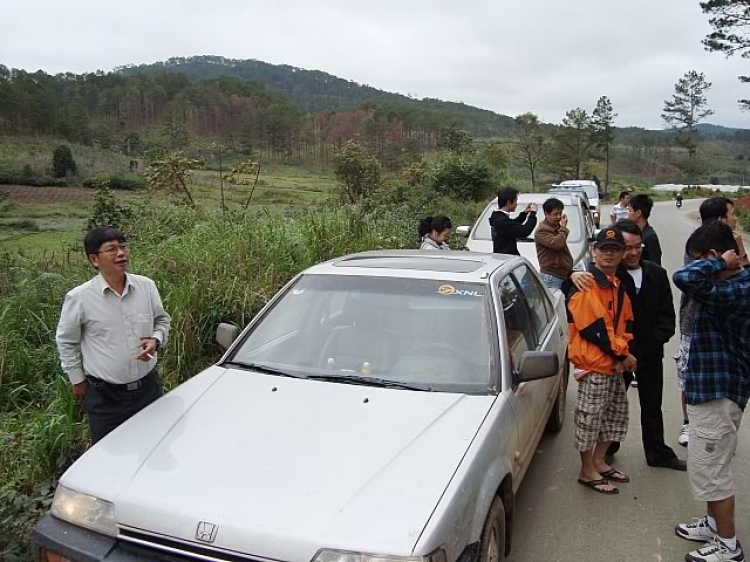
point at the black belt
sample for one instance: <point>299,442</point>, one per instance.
<point>128,387</point>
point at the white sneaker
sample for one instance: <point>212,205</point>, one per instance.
<point>716,551</point>
<point>684,435</point>
<point>698,530</point>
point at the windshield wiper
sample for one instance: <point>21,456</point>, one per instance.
<point>369,381</point>
<point>267,369</point>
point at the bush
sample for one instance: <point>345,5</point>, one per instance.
<point>117,181</point>
<point>107,210</point>
<point>466,176</point>
<point>13,179</point>
<point>63,163</point>
<point>357,173</point>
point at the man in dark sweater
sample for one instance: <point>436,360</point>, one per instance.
<point>639,212</point>
<point>507,231</point>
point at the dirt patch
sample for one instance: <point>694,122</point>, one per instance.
<point>743,202</point>
<point>27,195</point>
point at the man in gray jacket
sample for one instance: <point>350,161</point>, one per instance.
<point>551,239</point>
<point>110,330</point>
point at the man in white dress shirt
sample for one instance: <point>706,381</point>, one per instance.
<point>110,331</point>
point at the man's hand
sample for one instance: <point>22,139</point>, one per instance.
<point>731,258</point>
<point>629,363</point>
<point>531,208</point>
<point>583,280</point>
<point>741,245</point>
<point>148,347</point>
<point>564,221</point>
<point>80,389</point>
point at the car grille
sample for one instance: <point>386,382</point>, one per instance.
<point>175,550</point>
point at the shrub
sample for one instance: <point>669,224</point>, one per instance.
<point>466,176</point>
<point>63,163</point>
<point>117,181</point>
<point>357,173</point>
<point>13,179</point>
<point>107,210</point>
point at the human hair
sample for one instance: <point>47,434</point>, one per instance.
<point>711,235</point>
<point>438,223</point>
<point>624,194</point>
<point>100,235</point>
<point>552,204</point>
<point>505,196</point>
<point>715,208</point>
<point>628,226</point>
<point>642,203</point>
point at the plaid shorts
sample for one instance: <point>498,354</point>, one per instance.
<point>601,410</point>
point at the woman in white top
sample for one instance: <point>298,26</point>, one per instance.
<point>435,233</point>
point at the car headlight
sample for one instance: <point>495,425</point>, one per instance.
<point>326,555</point>
<point>85,511</point>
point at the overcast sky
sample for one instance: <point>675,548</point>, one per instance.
<point>510,56</point>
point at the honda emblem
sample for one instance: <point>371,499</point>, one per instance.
<point>206,531</point>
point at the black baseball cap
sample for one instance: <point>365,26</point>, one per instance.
<point>610,236</point>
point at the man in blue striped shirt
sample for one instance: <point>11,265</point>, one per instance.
<point>717,384</point>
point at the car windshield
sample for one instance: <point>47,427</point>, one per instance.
<point>484,232</point>
<point>430,334</point>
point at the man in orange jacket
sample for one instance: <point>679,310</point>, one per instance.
<point>601,326</point>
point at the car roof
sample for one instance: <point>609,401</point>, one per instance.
<point>567,197</point>
<point>454,265</point>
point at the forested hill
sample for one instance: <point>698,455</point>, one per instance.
<point>314,91</point>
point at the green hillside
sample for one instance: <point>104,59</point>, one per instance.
<point>316,91</point>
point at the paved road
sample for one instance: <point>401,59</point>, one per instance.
<point>558,520</point>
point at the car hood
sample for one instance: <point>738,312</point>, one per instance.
<point>284,466</point>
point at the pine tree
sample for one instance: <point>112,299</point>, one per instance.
<point>603,131</point>
<point>731,21</point>
<point>687,108</point>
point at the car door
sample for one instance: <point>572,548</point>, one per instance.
<point>519,338</point>
<point>548,335</point>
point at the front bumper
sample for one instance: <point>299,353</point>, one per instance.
<point>78,544</point>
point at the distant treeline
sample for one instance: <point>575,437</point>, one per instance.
<point>115,110</point>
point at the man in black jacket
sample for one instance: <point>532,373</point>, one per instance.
<point>507,231</point>
<point>639,211</point>
<point>648,287</point>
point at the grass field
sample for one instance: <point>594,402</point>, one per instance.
<point>47,219</point>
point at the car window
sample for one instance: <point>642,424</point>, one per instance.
<point>539,305</point>
<point>415,331</point>
<point>519,332</point>
<point>483,231</point>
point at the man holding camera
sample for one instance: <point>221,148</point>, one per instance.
<point>507,231</point>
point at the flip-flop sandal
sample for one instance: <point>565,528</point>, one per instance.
<point>601,482</point>
<point>616,476</point>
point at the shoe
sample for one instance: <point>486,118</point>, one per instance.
<point>716,551</point>
<point>684,433</point>
<point>699,530</point>
<point>673,463</point>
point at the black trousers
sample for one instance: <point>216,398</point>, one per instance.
<point>108,407</point>
<point>650,375</point>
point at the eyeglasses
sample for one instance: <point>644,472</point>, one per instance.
<point>610,249</point>
<point>114,250</point>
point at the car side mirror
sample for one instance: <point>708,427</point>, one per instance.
<point>226,334</point>
<point>463,231</point>
<point>593,236</point>
<point>537,365</point>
